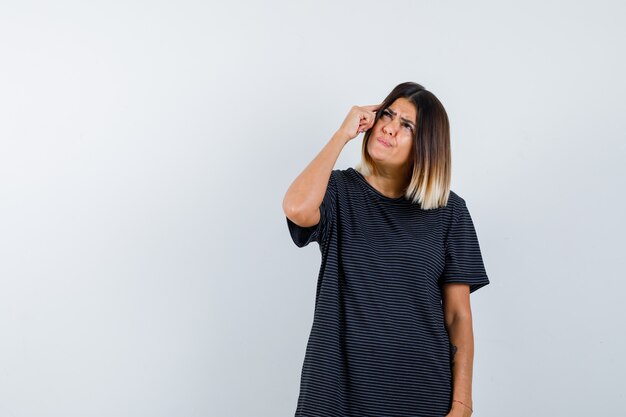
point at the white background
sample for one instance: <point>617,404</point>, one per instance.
<point>146,267</point>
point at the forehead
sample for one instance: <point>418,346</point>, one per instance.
<point>404,108</point>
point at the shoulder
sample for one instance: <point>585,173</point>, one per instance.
<point>340,177</point>
<point>455,200</point>
<point>455,206</point>
<point>340,173</point>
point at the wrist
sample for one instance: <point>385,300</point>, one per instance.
<point>462,404</point>
<point>341,137</point>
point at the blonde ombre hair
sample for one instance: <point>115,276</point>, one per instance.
<point>430,164</point>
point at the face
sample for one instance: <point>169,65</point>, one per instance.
<point>391,140</point>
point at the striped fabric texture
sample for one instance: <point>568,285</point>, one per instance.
<point>378,346</point>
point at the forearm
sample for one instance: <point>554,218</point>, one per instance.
<point>306,192</point>
<point>462,337</point>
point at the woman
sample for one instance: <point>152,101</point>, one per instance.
<point>392,329</point>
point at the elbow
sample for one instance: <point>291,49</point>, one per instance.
<point>290,204</point>
<point>290,209</point>
<point>301,217</point>
<point>298,212</point>
<point>457,317</point>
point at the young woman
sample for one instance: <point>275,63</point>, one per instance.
<point>392,328</point>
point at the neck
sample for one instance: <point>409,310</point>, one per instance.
<point>390,183</point>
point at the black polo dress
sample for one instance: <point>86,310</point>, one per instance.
<point>378,346</point>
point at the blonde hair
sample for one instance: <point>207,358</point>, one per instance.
<point>431,165</point>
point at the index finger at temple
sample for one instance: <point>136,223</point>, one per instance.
<point>372,107</point>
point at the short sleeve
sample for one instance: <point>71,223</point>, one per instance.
<point>463,259</point>
<point>302,236</point>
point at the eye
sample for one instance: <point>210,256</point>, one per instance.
<point>408,126</point>
<point>386,113</point>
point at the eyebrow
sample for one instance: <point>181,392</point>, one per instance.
<point>393,113</point>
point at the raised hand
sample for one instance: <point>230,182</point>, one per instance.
<point>358,120</point>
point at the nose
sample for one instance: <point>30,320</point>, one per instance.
<point>389,128</point>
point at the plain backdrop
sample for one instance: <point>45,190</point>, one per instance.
<point>146,268</point>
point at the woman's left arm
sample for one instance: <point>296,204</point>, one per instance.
<point>458,322</point>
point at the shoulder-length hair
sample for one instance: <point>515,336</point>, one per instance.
<point>430,165</point>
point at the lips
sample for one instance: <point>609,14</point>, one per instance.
<point>384,142</point>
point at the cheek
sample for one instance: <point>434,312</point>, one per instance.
<point>407,144</point>
<point>407,148</point>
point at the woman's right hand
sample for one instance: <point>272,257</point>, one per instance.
<point>358,120</point>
